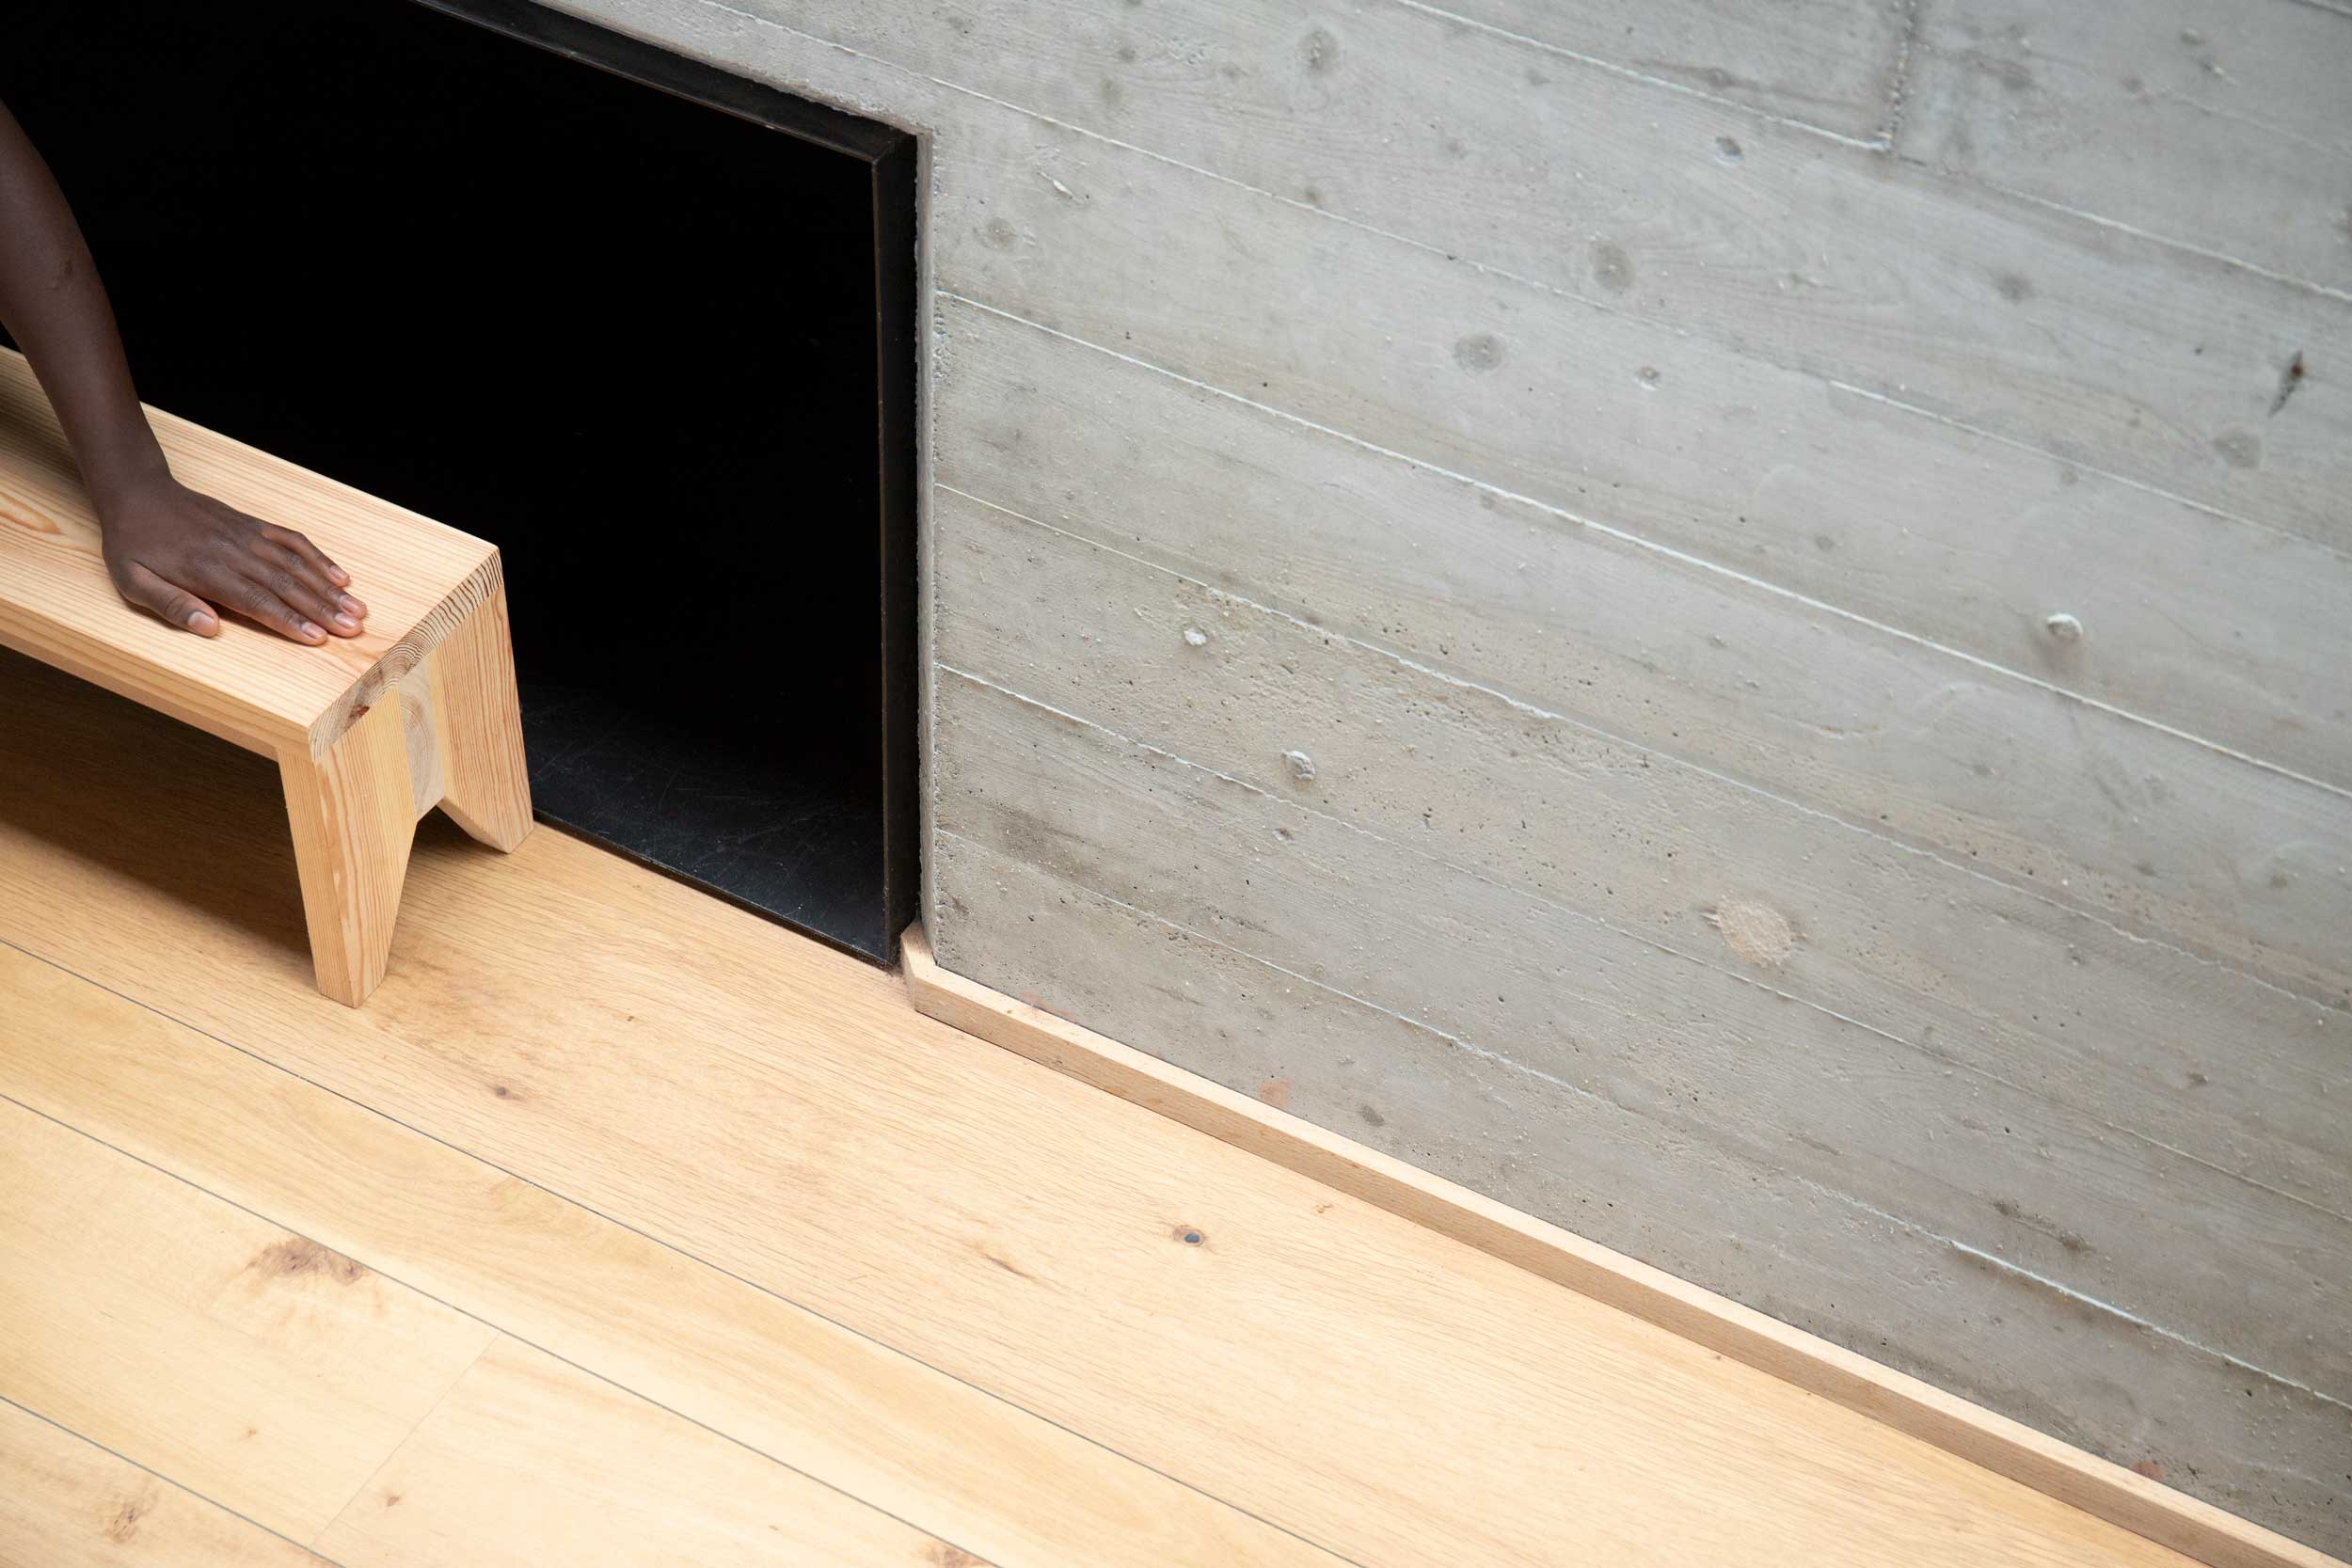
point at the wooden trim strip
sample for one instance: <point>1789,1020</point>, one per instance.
<point>2006,1448</point>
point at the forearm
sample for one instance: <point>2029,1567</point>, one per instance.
<point>53,305</point>
<point>168,548</point>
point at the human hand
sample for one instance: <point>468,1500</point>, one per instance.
<point>186,557</point>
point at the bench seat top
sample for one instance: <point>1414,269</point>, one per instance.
<point>418,579</point>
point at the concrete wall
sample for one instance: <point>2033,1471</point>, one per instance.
<point>1727,622</point>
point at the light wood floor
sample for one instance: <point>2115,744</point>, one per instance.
<point>624,1228</point>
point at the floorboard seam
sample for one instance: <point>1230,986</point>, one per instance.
<point>985,1392</point>
<point>150,1469</point>
<point>430,1411</point>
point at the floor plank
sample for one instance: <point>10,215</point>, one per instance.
<point>530,1461</point>
<point>67,1503</point>
<point>748,1097</point>
<point>916,1443</point>
<point>245,1363</point>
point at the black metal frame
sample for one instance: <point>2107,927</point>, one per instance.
<point>890,156</point>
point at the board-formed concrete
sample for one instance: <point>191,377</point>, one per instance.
<point>1723,623</point>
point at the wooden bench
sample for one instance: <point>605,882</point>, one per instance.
<point>370,732</point>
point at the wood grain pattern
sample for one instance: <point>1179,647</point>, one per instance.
<point>66,1503</point>
<point>2219,124</point>
<point>529,1462</point>
<point>478,730</point>
<point>244,1362</point>
<point>2108,1491</point>
<point>248,686</point>
<point>1930,953</point>
<point>353,813</point>
<point>369,732</point>
<point>829,1403</point>
<point>1386,1392</point>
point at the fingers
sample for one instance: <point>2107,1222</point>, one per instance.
<point>195,549</point>
<point>332,599</point>
<point>257,597</point>
<point>287,539</point>
<point>298,583</point>
<point>293,571</point>
<point>174,605</point>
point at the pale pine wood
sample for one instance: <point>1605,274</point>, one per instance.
<point>425,695</point>
<point>529,1461</point>
<point>245,1363</point>
<point>1385,1392</point>
<point>852,1413</point>
<point>353,813</point>
<point>478,730</point>
<point>2008,1448</point>
<point>418,579</point>
<point>67,1503</point>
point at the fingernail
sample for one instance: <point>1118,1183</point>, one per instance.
<point>345,624</point>
<point>352,606</point>
<point>336,572</point>
<point>199,621</point>
<point>309,631</point>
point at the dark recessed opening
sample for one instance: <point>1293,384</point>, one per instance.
<point>647,327</point>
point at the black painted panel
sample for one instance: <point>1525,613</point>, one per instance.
<point>631,338</point>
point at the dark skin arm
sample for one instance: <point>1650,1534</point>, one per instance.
<point>185,556</point>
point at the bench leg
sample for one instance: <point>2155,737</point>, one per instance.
<point>478,730</point>
<point>354,817</point>
<point>450,736</point>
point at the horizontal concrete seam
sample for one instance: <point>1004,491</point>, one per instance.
<point>2285,279</point>
<point>1656,946</point>
<point>1443,1036</point>
<point>1490,270</point>
<point>2145,487</point>
<point>1867,144</point>
<point>2081,1298</point>
<point>1669,552</point>
<point>1537,711</point>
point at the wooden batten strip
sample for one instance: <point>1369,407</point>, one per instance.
<point>2104,1489</point>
